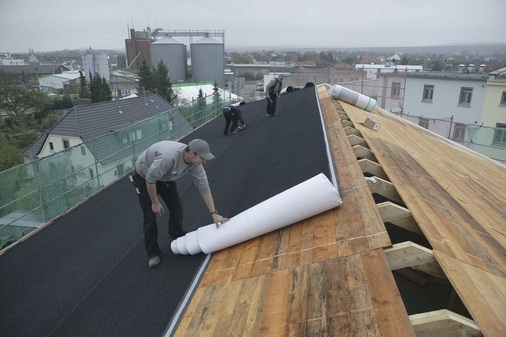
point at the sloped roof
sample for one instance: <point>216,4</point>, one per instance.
<point>328,275</point>
<point>34,68</point>
<point>90,121</point>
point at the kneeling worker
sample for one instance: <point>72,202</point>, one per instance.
<point>233,115</point>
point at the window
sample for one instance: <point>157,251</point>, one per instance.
<point>131,136</point>
<point>503,99</point>
<point>396,89</point>
<point>51,146</point>
<point>120,170</point>
<point>465,96</point>
<point>428,92</point>
<point>83,150</point>
<point>66,143</point>
<point>459,131</point>
<point>424,123</point>
<point>500,134</point>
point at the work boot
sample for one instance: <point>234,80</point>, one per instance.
<point>153,262</point>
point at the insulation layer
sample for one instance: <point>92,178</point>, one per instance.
<point>309,198</point>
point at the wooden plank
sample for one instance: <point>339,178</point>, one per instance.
<point>408,254</point>
<point>483,293</point>
<point>457,198</point>
<point>391,315</point>
<point>445,223</point>
<point>384,188</point>
<point>443,323</point>
<point>399,216</point>
<point>372,168</point>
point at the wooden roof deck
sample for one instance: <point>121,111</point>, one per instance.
<point>331,275</point>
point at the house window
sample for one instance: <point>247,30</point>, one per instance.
<point>459,132</point>
<point>51,146</point>
<point>500,134</point>
<point>92,174</point>
<point>428,92</point>
<point>465,96</point>
<point>424,123</point>
<point>66,143</point>
<point>396,89</point>
<point>120,170</point>
<point>83,150</point>
<point>131,136</point>
<point>503,99</point>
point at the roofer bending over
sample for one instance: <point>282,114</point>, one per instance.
<point>233,115</point>
<point>156,172</point>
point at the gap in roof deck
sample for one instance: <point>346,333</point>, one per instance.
<point>421,292</point>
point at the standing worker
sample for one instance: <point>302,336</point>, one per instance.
<point>272,91</point>
<point>233,115</point>
<point>156,172</point>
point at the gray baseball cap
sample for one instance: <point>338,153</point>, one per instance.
<point>202,148</point>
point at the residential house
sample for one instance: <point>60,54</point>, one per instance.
<point>455,99</point>
<point>98,137</point>
<point>390,90</point>
<point>489,137</point>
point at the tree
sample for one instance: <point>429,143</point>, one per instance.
<point>216,98</point>
<point>83,87</point>
<point>15,101</point>
<point>161,82</point>
<point>10,155</point>
<point>99,89</point>
<point>145,77</point>
<point>105,94</point>
<point>93,88</point>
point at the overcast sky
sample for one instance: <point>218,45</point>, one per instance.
<point>103,24</point>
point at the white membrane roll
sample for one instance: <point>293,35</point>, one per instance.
<point>349,96</point>
<point>309,198</point>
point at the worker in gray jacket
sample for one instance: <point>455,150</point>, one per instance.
<point>272,91</point>
<point>156,172</point>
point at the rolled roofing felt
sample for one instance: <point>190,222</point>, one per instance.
<point>309,198</point>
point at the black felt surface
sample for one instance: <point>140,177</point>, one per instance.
<point>86,274</point>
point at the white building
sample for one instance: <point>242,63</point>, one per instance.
<point>54,84</point>
<point>457,97</point>
<point>187,93</point>
<point>372,70</point>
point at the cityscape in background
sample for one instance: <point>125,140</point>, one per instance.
<point>458,91</point>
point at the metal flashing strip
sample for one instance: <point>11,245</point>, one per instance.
<point>186,299</point>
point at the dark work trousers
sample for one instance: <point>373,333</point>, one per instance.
<point>231,121</point>
<point>167,190</point>
<point>271,105</point>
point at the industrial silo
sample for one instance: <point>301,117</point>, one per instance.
<point>208,61</point>
<point>173,55</point>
